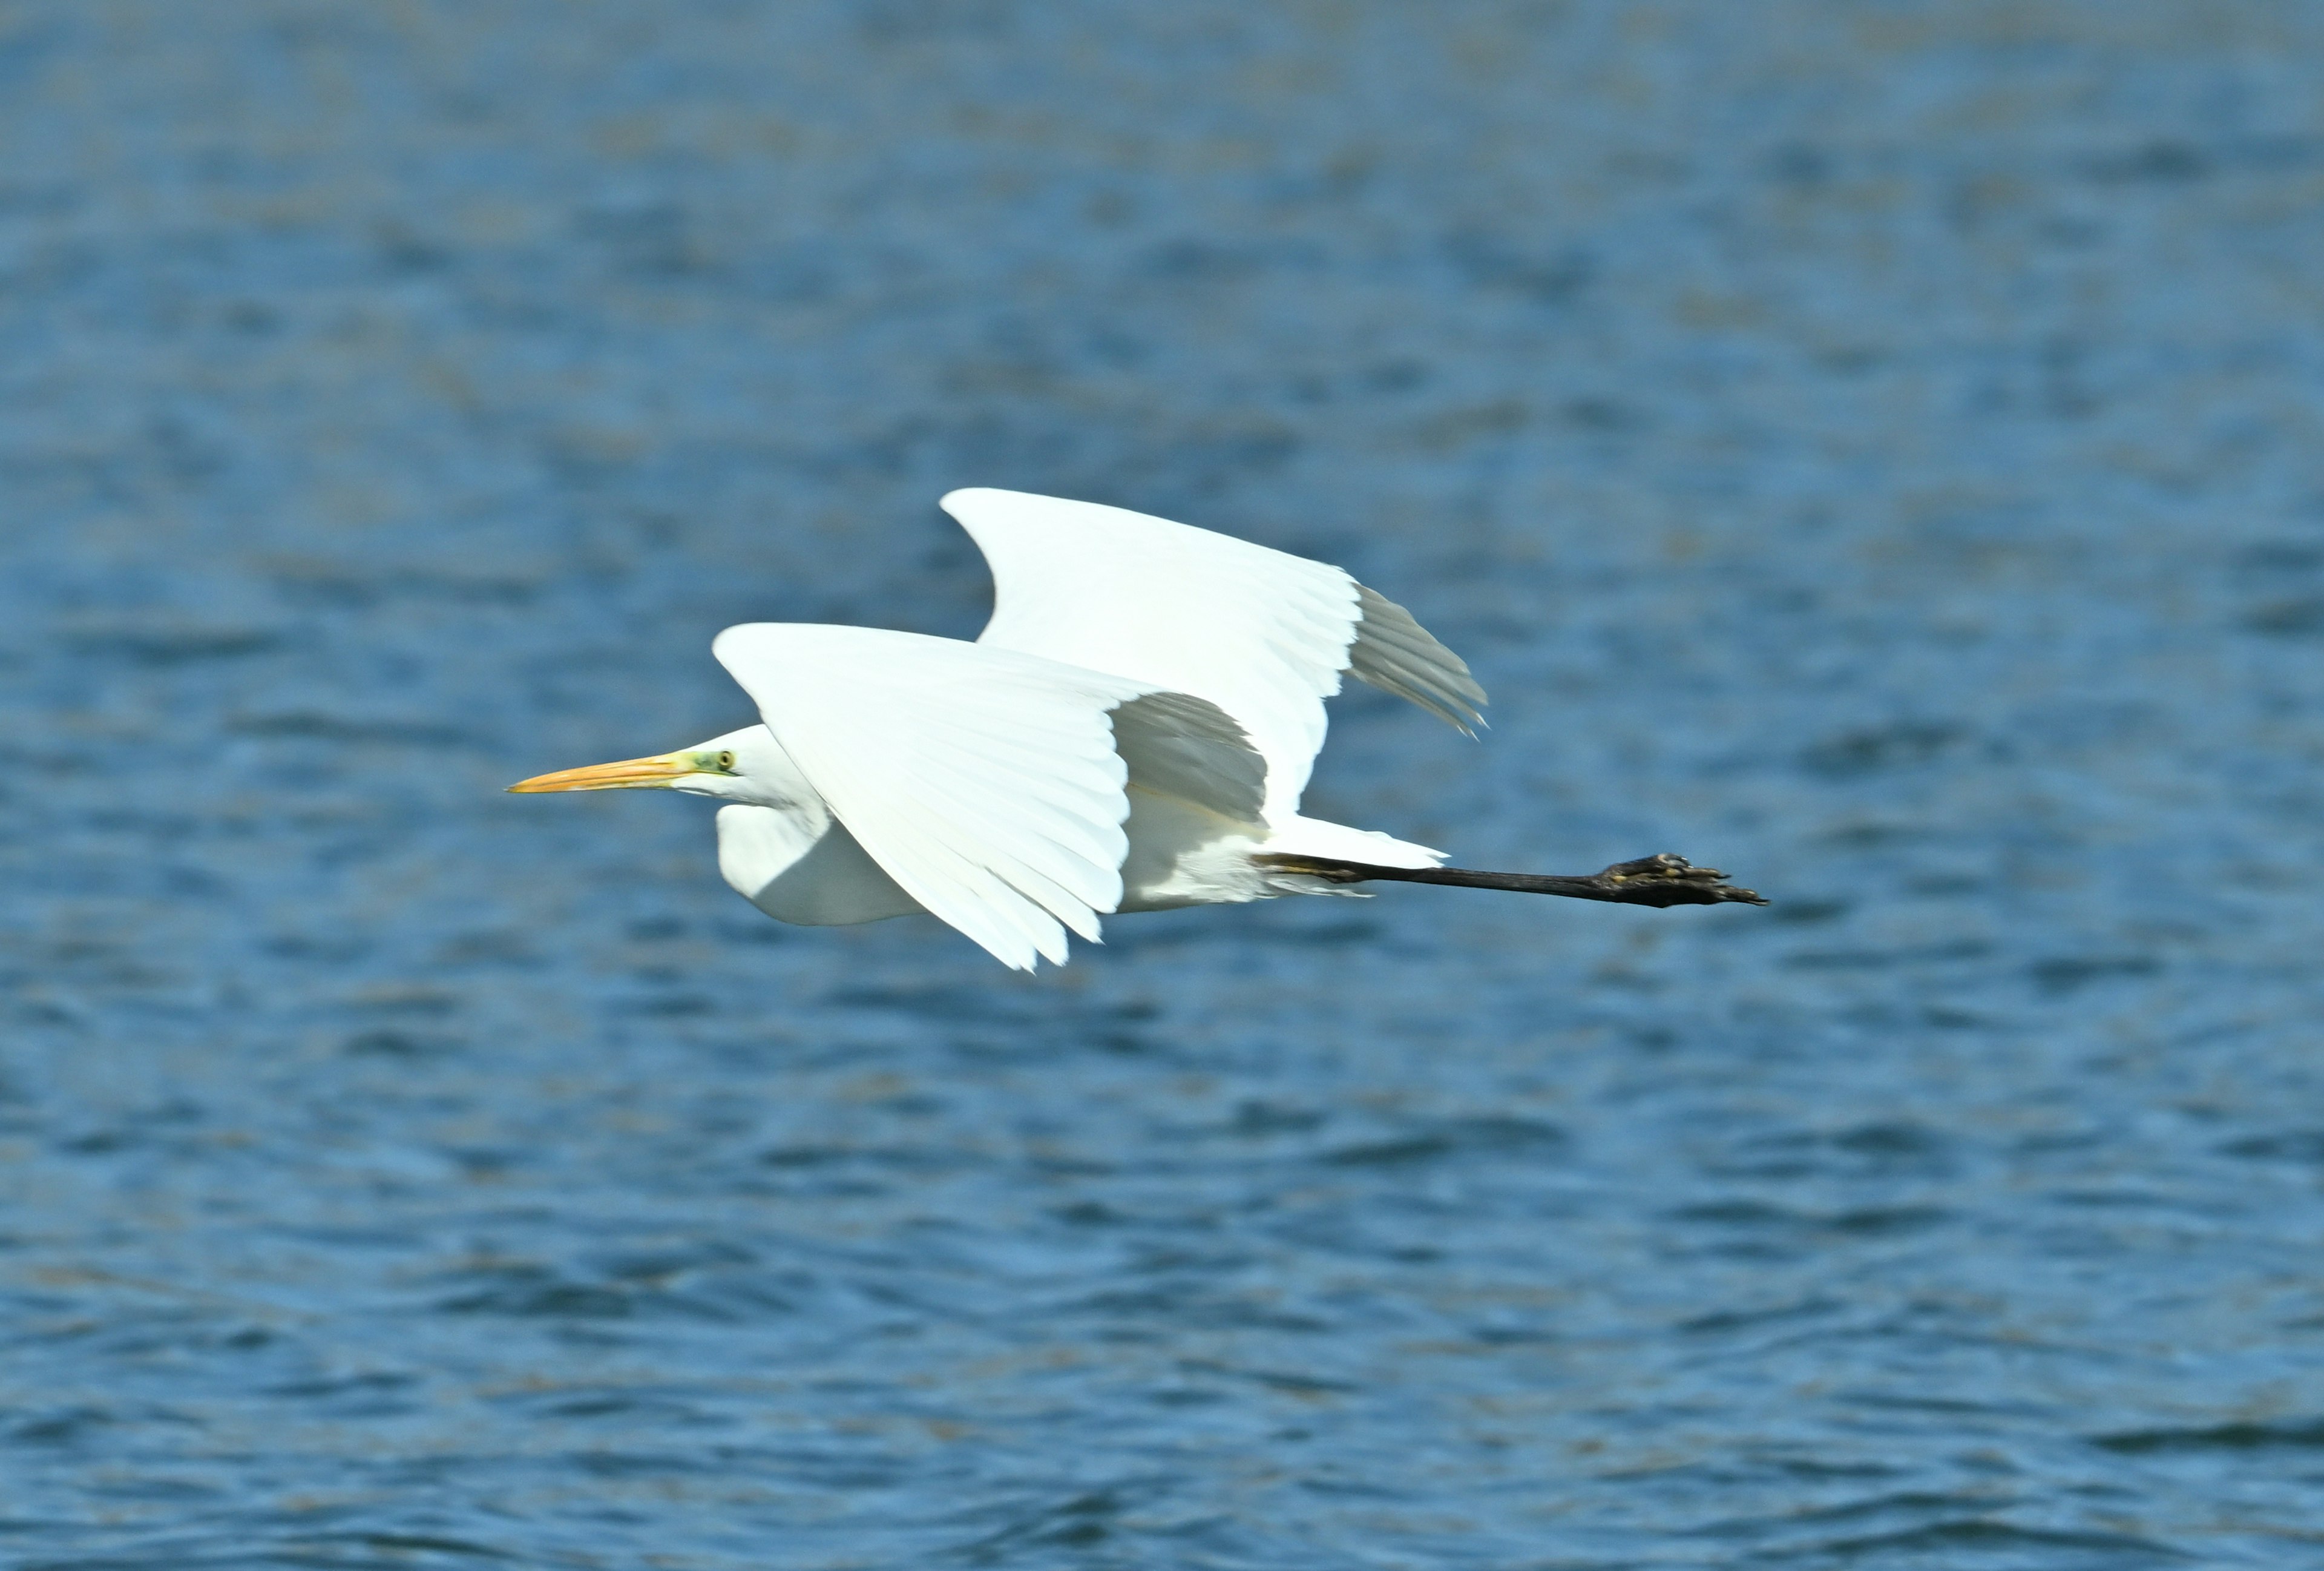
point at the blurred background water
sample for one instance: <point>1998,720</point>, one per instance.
<point>1872,448</point>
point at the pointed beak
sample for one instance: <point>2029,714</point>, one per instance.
<point>662,770</point>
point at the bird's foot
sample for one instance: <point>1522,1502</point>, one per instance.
<point>1665,880</point>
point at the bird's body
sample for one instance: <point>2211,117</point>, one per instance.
<point>799,864</point>
<point>1132,731</point>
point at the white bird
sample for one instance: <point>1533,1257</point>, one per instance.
<point>1131,732</point>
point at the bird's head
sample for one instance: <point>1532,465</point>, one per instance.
<point>742,766</point>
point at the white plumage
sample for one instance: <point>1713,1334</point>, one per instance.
<point>1133,728</point>
<point>1263,634</point>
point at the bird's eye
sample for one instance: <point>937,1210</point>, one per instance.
<point>726,760</point>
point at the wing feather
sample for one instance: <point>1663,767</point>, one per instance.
<point>1396,654</point>
<point>984,781</point>
<point>1189,747</point>
<point>1262,634</point>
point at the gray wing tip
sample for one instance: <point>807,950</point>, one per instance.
<point>1393,652</point>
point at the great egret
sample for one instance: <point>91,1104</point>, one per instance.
<point>1131,732</point>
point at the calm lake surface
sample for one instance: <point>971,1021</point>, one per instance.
<point>1874,449</point>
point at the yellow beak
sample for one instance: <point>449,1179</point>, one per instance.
<point>657,771</point>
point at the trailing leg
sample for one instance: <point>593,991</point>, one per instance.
<point>1660,881</point>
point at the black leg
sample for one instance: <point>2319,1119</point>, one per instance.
<point>1660,881</point>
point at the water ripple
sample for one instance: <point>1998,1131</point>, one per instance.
<point>1870,452</point>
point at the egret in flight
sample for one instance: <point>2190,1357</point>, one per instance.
<point>1131,732</point>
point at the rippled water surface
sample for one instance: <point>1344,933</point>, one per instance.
<point>1872,448</point>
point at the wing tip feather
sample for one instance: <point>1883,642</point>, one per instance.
<point>1393,652</point>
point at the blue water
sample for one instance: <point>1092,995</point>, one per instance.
<point>1870,448</point>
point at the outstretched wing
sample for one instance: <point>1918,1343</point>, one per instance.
<point>985,781</point>
<point>1262,634</point>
